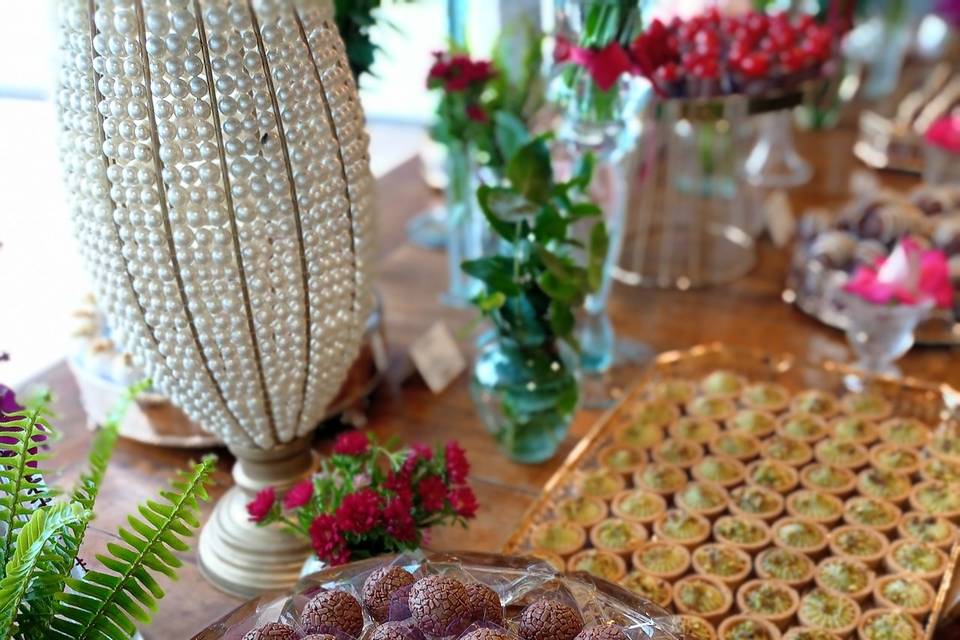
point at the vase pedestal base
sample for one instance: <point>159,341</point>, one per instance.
<point>236,555</point>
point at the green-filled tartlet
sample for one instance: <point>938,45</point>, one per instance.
<point>889,624</point>
<point>705,498</point>
<point>924,527</point>
<point>597,562</point>
<point>800,535</point>
<point>823,477</point>
<point>752,501</point>
<point>652,588</point>
<point>807,633</point>
<point>560,537</point>
<point>695,429</point>
<point>905,432</point>
<point>886,485</point>
<point>787,450</point>
<point>821,609</point>
<point>815,402</point>
<point>747,627</point>
<point>841,453</point>
<point>667,560</point>
<point>937,498</point>
<point>946,446</point>
<point>727,564</point>
<point>554,560</point>
<point>657,412</point>
<point>712,407</point>
<point>599,483</point>
<point>695,628</point>
<point>765,396</point>
<point>768,599</point>
<point>869,406</point>
<point>702,596</point>
<point>786,565</point>
<point>752,422</point>
<point>870,512</point>
<point>680,453</point>
<point>585,511</point>
<point>917,558</point>
<point>940,469</point>
<point>682,527</point>
<point>664,479</point>
<point>887,456</point>
<point>724,384</point>
<point>773,474</point>
<point>845,576</point>
<point>859,543</point>
<point>623,458</point>
<point>912,594</point>
<point>735,444</point>
<point>749,534</point>
<point>852,429</point>
<point>722,470</point>
<point>638,505</point>
<point>673,390</point>
<point>804,427</point>
<point>816,506</point>
<point>618,536</point>
<point>641,435</point>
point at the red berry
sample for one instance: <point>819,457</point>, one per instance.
<point>755,65</point>
<point>668,72</point>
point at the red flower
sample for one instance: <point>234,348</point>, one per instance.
<point>605,65</point>
<point>477,113</point>
<point>464,501</point>
<point>418,452</point>
<point>458,72</point>
<point>433,493</point>
<point>352,443</point>
<point>359,512</point>
<point>399,518</point>
<point>327,540</point>
<point>259,508</point>
<point>299,495</point>
<point>456,462</point>
<point>398,483</point>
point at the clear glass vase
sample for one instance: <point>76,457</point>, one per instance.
<point>468,236</point>
<point>881,333</point>
<point>525,395</point>
<point>773,162</point>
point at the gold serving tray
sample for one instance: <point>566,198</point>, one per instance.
<point>931,403</point>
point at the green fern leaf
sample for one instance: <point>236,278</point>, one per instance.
<point>104,604</point>
<point>34,537</point>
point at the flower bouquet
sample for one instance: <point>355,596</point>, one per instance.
<point>368,500</point>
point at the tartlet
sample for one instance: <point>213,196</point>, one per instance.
<point>841,453</point>
<point>940,469</point>
<point>680,453</point>
<point>808,633</point>
<point>917,558</point>
<point>667,560</point>
<point>713,407</point>
<point>845,576</point>
<point>800,535</point>
<point>599,483</point>
<point>638,505</point>
<point>673,390</point>
<point>551,558</point>
<point>749,534</point>
<point>787,450</point>
<point>805,427</point>
<point>816,506</point>
<point>560,537</point>
<point>702,596</point>
<point>765,396</point>
<point>585,511</point>
<point>786,565</point>
<point>695,429</point>
<point>820,609</point>
<point>946,446</point>
<point>641,435</point>
<point>911,594</point>
<point>705,498</point>
<point>682,527</point>
<point>886,485</point>
<point>815,402</point>
<point>663,479</point>
<point>751,422</point>
<point>735,444</point>
<point>623,458</point>
<point>652,588</point>
<point>722,470</point>
<point>888,624</point>
<point>905,432</point>
<point>924,527</point>
<point>722,383</point>
<point>752,501</point>
<point>747,627</point>
<point>772,474</point>
<point>597,562</point>
<point>657,412</point>
<point>859,543</point>
<point>695,628</point>
<point>869,406</point>
<point>823,477</point>
<point>888,456</point>
<point>618,536</point>
<point>936,498</point>
<point>770,600</point>
<point>726,563</point>
<point>870,512</point>
<point>853,429</point>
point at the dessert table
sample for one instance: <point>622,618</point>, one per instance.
<point>748,313</point>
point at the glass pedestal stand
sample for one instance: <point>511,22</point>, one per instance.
<point>773,162</point>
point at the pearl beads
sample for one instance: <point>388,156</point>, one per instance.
<point>221,194</point>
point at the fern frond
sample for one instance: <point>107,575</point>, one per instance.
<point>104,604</point>
<point>40,531</point>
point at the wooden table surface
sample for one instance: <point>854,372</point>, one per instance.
<point>747,313</point>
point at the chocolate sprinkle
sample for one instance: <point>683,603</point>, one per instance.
<point>396,631</point>
<point>486,634</point>
<point>484,603</point>
<point>439,606</point>
<point>333,611</point>
<point>549,620</point>
<point>602,632</point>
<point>378,588</point>
<point>272,631</point>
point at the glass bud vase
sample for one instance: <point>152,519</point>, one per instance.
<point>773,162</point>
<point>467,234</point>
<point>525,395</point>
<point>880,334</point>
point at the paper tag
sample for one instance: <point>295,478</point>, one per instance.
<point>437,357</point>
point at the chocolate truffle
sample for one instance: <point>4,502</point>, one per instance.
<point>440,606</point>
<point>399,606</point>
<point>379,586</point>
<point>333,611</point>
<point>484,603</point>
<point>486,634</point>
<point>548,619</point>
<point>396,631</point>
<point>272,631</point>
<point>602,632</point>
<point>319,636</point>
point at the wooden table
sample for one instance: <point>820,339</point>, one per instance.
<point>747,313</point>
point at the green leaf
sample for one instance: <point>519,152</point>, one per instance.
<point>510,133</point>
<point>584,210</point>
<point>561,319</point>
<point>549,226</point>
<point>560,290</point>
<point>505,210</point>
<point>488,302</point>
<point>494,271</point>
<point>596,260</point>
<point>530,171</point>
<point>583,171</point>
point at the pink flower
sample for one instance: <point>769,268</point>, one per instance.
<point>399,518</point>
<point>433,493</point>
<point>327,540</point>
<point>260,507</point>
<point>945,133</point>
<point>464,502</point>
<point>909,275</point>
<point>456,462</point>
<point>359,512</point>
<point>299,495</point>
<point>352,443</point>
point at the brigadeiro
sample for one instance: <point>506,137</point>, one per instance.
<point>602,632</point>
<point>378,588</point>
<point>333,611</point>
<point>396,631</point>
<point>399,603</point>
<point>272,631</point>
<point>440,606</point>
<point>484,603</point>
<point>319,636</point>
<point>548,619</point>
<point>486,634</point>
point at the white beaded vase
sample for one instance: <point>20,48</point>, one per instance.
<point>216,159</point>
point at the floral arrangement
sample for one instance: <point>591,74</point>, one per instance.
<point>909,275</point>
<point>368,500</point>
<point>945,133</point>
<point>45,591</point>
